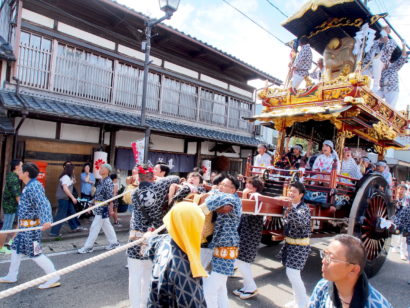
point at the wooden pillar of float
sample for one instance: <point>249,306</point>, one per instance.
<point>281,128</point>
<point>341,139</point>
<point>248,171</point>
<point>381,152</point>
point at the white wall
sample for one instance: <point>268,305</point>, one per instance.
<point>134,53</point>
<point>79,133</point>
<point>163,143</point>
<point>86,36</point>
<point>241,91</point>
<point>37,128</point>
<point>181,69</point>
<point>191,148</point>
<point>159,143</point>
<point>37,18</point>
<point>214,81</point>
<point>124,138</point>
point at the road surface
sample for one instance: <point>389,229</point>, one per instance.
<point>105,284</point>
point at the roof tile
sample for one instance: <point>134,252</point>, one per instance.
<point>37,104</point>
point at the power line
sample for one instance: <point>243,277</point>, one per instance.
<point>278,9</point>
<point>253,21</point>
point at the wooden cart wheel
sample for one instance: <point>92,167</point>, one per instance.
<point>370,204</point>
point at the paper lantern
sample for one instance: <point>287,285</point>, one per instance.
<point>206,168</point>
<point>100,158</point>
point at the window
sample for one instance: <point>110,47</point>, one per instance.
<point>237,110</point>
<point>128,85</point>
<point>83,74</point>
<point>179,99</point>
<point>34,60</point>
<point>213,107</point>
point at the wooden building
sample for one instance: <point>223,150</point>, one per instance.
<point>71,83</point>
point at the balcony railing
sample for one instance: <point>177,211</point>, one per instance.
<point>75,72</point>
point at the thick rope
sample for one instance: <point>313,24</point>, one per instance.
<point>72,216</point>
<point>76,266</point>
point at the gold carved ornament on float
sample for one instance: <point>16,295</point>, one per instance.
<point>336,93</point>
<point>397,119</point>
<point>379,149</point>
<point>343,22</point>
<point>382,131</point>
<point>340,140</point>
<point>288,122</point>
<point>336,23</point>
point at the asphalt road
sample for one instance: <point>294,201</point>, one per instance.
<point>105,284</point>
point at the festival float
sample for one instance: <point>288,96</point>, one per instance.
<point>340,107</point>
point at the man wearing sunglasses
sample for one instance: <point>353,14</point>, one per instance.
<point>345,284</point>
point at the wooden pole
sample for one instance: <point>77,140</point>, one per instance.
<point>281,140</point>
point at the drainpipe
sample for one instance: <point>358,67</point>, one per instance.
<point>24,114</point>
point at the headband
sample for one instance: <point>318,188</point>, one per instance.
<point>298,147</point>
<point>329,143</point>
<point>141,170</point>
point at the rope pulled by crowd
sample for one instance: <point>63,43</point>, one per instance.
<point>72,216</point>
<point>76,266</point>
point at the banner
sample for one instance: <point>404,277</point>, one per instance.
<point>138,150</point>
<point>176,162</point>
<point>100,158</point>
<point>125,160</point>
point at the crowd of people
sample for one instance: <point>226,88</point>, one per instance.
<point>324,162</point>
<point>378,63</point>
<point>188,266</point>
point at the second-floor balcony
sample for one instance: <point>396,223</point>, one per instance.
<point>53,66</point>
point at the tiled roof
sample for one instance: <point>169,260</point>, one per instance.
<point>6,52</point>
<point>6,127</point>
<point>64,109</point>
<point>266,75</point>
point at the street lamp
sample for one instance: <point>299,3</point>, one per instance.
<point>169,7</point>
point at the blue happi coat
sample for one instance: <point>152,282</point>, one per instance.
<point>104,191</point>
<point>225,229</point>
<point>33,205</point>
<point>148,211</point>
<point>365,296</point>
<point>172,284</point>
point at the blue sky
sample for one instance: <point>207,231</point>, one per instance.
<point>214,22</point>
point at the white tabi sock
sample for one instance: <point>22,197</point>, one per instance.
<point>94,230</point>
<point>139,282</point>
<point>249,284</point>
<point>298,287</point>
<point>48,267</point>
<point>14,267</point>
<point>109,231</point>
